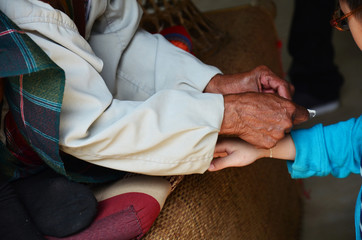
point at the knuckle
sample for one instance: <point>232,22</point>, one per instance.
<point>271,143</point>
<point>285,128</point>
<point>278,135</point>
<point>288,124</point>
<point>290,108</point>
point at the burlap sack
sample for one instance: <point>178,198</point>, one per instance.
<point>255,202</point>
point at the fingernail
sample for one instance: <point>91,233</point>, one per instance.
<point>212,166</point>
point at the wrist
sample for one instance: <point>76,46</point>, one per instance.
<point>228,125</point>
<point>213,85</point>
<point>263,153</point>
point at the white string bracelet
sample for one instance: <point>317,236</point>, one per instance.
<point>271,153</point>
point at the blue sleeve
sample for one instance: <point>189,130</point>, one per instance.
<point>321,150</point>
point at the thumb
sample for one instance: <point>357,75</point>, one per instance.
<point>300,115</point>
<point>217,164</point>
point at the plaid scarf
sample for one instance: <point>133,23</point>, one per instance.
<point>34,91</point>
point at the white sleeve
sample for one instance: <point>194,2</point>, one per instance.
<point>138,64</point>
<point>173,131</point>
<point>151,58</point>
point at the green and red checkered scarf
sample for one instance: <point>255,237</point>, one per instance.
<point>34,91</point>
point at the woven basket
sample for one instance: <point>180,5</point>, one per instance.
<point>161,14</point>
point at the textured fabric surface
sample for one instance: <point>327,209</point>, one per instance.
<point>121,225</point>
<point>125,216</point>
<point>34,92</point>
<point>146,207</point>
<point>32,98</point>
<point>178,36</point>
<point>255,202</point>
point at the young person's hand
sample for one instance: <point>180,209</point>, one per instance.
<point>234,152</point>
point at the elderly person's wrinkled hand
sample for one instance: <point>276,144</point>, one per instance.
<point>260,79</point>
<point>251,113</point>
<point>261,119</point>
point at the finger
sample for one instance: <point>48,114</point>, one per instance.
<point>269,91</point>
<point>220,147</point>
<point>266,141</point>
<point>300,115</point>
<point>214,165</point>
<point>220,154</point>
<point>279,86</point>
<point>284,91</point>
<point>292,88</point>
<point>260,86</point>
<point>287,130</point>
<point>220,163</point>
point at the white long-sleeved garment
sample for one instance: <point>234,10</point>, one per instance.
<point>132,100</point>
